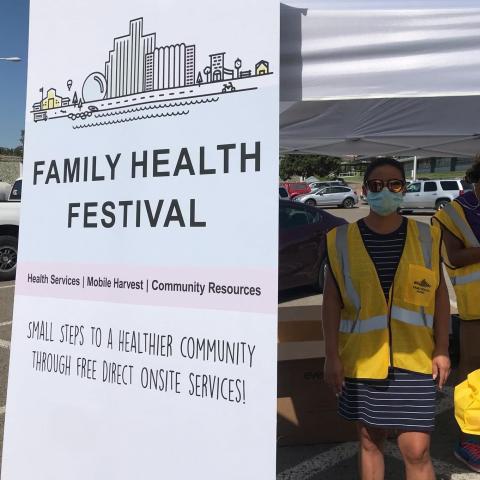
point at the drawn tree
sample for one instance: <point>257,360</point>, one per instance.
<point>199,79</point>
<point>80,104</point>
<point>207,72</point>
<point>75,99</point>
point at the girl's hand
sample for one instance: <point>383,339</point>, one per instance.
<point>334,373</point>
<point>441,368</point>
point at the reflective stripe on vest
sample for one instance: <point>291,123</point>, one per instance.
<point>464,279</point>
<point>426,242</point>
<point>462,225</point>
<point>343,260</point>
<point>419,319</point>
<point>363,326</point>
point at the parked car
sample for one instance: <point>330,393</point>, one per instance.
<point>296,188</point>
<point>327,183</point>
<point>331,196</point>
<point>302,244</point>
<point>282,191</point>
<point>9,221</point>
<point>433,194</point>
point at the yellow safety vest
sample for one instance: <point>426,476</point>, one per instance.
<point>373,334</point>
<point>465,280</point>
<point>467,404</point>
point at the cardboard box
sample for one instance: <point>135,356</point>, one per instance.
<point>300,334</point>
<point>306,406</point>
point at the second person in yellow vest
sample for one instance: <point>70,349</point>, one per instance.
<point>460,222</point>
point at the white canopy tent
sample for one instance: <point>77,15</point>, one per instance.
<point>380,77</point>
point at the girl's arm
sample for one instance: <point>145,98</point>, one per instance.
<point>458,254</point>
<point>441,323</point>
<point>331,322</point>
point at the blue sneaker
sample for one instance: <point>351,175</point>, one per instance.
<point>469,454</point>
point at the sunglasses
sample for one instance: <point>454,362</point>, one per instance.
<point>376,185</point>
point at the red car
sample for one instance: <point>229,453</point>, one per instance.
<point>296,188</point>
<point>302,244</point>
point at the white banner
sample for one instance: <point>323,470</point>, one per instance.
<point>347,49</point>
<point>144,332</point>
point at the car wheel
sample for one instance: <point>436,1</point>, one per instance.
<point>348,203</point>
<point>311,202</point>
<point>441,204</point>
<point>8,257</point>
<point>320,283</point>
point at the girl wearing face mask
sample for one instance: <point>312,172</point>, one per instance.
<point>460,222</point>
<point>385,316</point>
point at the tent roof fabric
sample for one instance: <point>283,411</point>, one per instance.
<point>380,77</point>
<point>426,127</point>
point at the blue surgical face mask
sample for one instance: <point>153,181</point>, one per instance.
<point>385,202</point>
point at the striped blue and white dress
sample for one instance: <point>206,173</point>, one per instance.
<point>405,400</point>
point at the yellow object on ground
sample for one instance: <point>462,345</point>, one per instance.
<point>467,404</point>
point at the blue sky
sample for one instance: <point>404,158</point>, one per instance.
<point>13,76</point>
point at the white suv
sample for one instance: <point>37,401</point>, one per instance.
<point>433,194</point>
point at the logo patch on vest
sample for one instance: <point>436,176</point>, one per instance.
<point>423,285</point>
<point>419,289</point>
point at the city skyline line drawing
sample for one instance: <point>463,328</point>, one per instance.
<point>137,72</point>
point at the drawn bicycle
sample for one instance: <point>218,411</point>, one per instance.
<point>228,87</point>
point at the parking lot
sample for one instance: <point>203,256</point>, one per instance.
<point>323,461</point>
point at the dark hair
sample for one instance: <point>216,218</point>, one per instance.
<point>473,173</point>
<point>380,162</point>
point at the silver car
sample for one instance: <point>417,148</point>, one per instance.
<point>330,197</point>
<point>432,194</point>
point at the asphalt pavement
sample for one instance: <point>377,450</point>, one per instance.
<point>7,290</point>
<point>303,462</point>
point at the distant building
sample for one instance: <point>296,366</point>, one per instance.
<point>125,70</point>
<point>217,67</point>
<point>262,68</point>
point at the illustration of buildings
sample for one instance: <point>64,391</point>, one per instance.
<point>52,100</point>
<point>125,70</point>
<point>228,73</point>
<point>262,68</point>
<point>190,65</point>
<point>169,67</point>
<point>217,66</point>
<point>149,72</point>
<point>136,65</point>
